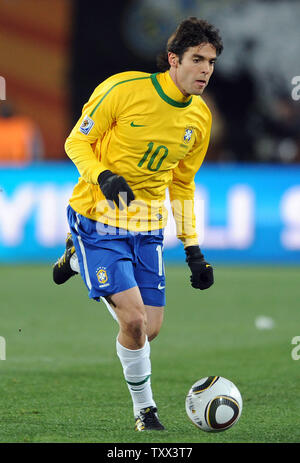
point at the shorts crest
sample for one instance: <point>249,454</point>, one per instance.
<point>102,276</point>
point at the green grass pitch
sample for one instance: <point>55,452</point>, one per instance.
<point>62,381</point>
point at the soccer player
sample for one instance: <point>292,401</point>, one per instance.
<point>138,135</point>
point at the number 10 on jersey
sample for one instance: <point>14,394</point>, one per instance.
<point>158,155</point>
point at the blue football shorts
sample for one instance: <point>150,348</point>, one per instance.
<point>112,259</point>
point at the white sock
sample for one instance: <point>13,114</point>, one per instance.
<point>74,264</point>
<point>137,373</point>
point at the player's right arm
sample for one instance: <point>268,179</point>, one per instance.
<point>98,116</point>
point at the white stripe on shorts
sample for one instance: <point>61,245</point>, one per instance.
<point>85,266</point>
<point>110,309</point>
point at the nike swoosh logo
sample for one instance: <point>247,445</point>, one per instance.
<point>136,125</point>
<point>160,286</point>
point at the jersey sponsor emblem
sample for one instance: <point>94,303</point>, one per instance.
<point>136,125</point>
<point>102,276</point>
<point>86,125</point>
<point>188,133</point>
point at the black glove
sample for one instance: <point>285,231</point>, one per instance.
<point>112,186</point>
<point>202,273</point>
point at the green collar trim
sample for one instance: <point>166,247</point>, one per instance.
<point>165,97</point>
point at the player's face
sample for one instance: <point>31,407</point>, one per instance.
<point>193,73</point>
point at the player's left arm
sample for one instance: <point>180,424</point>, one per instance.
<point>182,192</point>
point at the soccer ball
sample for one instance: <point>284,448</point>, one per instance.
<point>214,404</point>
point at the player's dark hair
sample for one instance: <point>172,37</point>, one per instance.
<point>190,33</point>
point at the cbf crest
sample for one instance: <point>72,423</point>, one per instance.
<point>102,276</point>
<point>188,134</point>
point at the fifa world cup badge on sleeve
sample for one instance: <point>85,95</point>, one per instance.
<point>86,125</point>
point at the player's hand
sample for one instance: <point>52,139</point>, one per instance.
<point>112,186</point>
<point>202,272</point>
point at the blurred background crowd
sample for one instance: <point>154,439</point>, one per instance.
<point>55,52</point>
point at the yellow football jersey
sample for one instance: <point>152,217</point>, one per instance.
<point>142,127</point>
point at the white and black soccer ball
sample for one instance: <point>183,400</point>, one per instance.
<point>214,404</point>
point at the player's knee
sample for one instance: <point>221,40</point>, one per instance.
<point>154,323</point>
<point>152,333</point>
<point>135,326</point>
<point>135,329</point>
